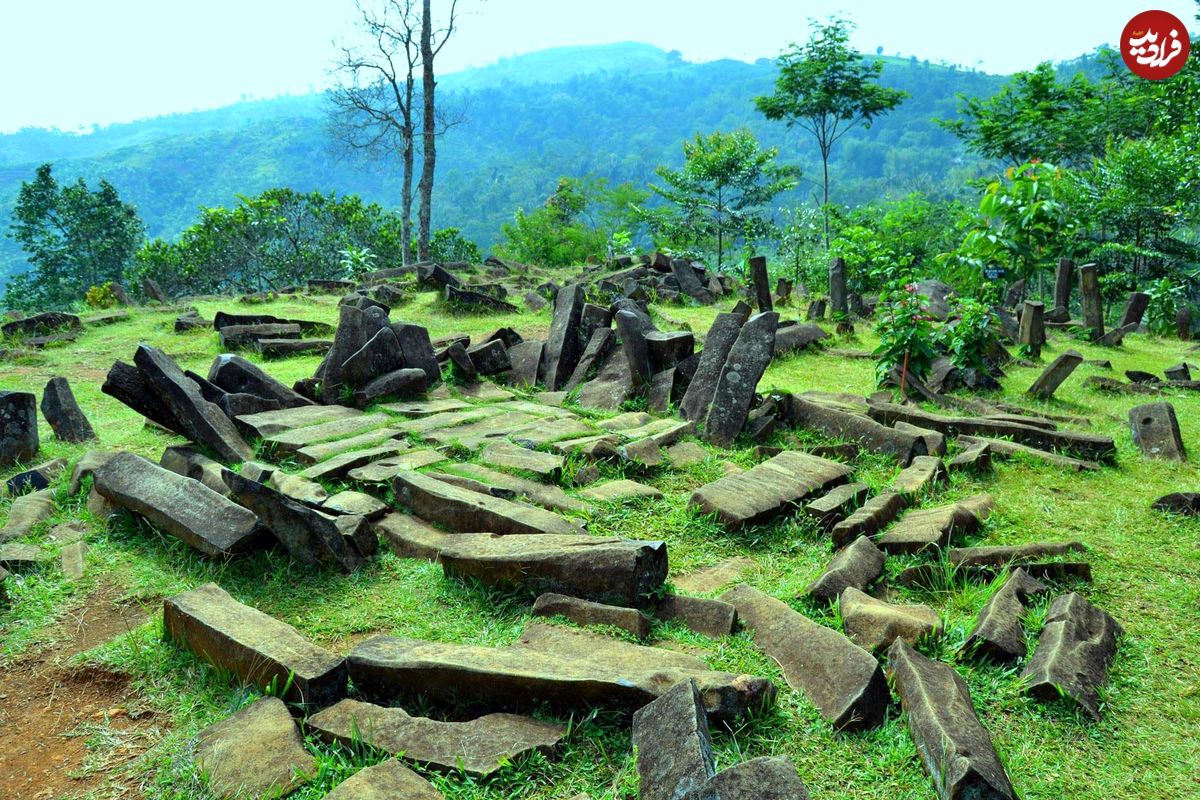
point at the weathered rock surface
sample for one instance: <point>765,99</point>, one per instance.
<point>25,512</point>
<point>588,612</point>
<point>66,418</point>
<point>603,569</point>
<point>191,463</point>
<point>387,781</point>
<point>271,423</point>
<point>1053,376</point>
<point>832,507</point>
<point>838,423</point>
<point>1073,653</point>
<point>927,528</point>
<point>1156,432</point>
<point>954,747</point>
<point>502,484</point>
<point>770,488</point>
<point>998,633</point>
<point>873,624</point>
<point>258,752</point>
<point>870,518</point>
<point>748,359</point>
<point>511,456</point>
<point>36,478</point>
<point>568,669</point>
<point>855,566</point>
<point>563,347</point>
<point>477,747</point>
<point>841,679</point>
<point>975,458</point>
<point>294,439</point>
<point>18,427</point>
<point>919,476</point>
<point>1005,448</point>
<point>460,509</point>
<point>1002,555</point>
<point>717,344</point>
<point>764,778</point>
<point>621,489</point>
<point>255,647</point>
<point>714,618</point>
<point>674,754</point>
<point>1178,503</point>
<point>181,506</point>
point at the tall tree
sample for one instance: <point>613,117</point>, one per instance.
<point>720,195</point>
<point>827,89</point>
<point>432,42</point>
<point>373,106</point>
<point>73,236</point>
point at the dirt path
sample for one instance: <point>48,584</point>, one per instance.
<point>63,729</point>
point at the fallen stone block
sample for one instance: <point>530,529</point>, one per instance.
<point>293,440</point>
<point>181,506</point>
<point>476,747</point>
<point>869,518</point>
<point>1176,503</point>
<point>1004,555</point>
<point>975,458</point>
<point>674,754</point>
<point>714,618</point>
<point>1005,448</point>
<point>191,463</point>
<point>545,495</point>
<point>930,528</point>
<point>856,566</point>
<point>386,781</point>
<point>841,679</point>
<point>770,488</point>
<point>460,509</point>
<point>920,476</point>
<point>998,634</point>
<point>66,418</point>
<point>838,423</point>
<point>836,504</point>
<point>258,752</point>
<point>588,612</point>
<point>620,490</point>
<point>257,648</point>
<point>271,423</point>
<point>873,624</point>
<point>511,456</point>
<point>954,747</point>
<point>1074,651</point>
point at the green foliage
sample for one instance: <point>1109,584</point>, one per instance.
<point>906,334</point>
<point>357,261</point>
<point>826,88</point>
<point>73,237</point>
<point>100,296</point>
<point>1165,297</point>
<point>448,244</point>
<point>720,196</point>
<point>968,337</point>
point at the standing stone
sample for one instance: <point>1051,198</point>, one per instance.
<point>418,350</point>
<point>65,416</point>
<point>18,427</point>
<point>954,747</point>
<point>637,352</point>
<point>1073,653</point>
<point>563,345</point>
<point>526,358</point>
<point>258,752</point>
<point>838,304</point>
<point>1053,376</point>
<point>748,358</point>
<point>1135,309</point>
<point>1183,323</point>
<point>595,353</point>
<point>816,310</point>
<point>762,282</point>
<point>689,282</point>
<point>717,344</point>
<point>1091,300</point>
<point>1156,431</point>
<point>841,679</point>
<point>1063,277</point>
<point>592,319</point>
<point>1033,330</point>
<point>998,633</point>
<point>153,291</point>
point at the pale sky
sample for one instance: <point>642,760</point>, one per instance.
<point>73,63</point>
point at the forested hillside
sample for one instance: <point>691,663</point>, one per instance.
<point>616,111</point>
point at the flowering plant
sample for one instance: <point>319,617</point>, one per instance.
<point>906,333</point>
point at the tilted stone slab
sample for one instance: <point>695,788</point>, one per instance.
<point>840,423</point>
<point>296,487</point>
<point>836,504</point>
<point>705,616</point>
<point>181,506</point>
<point>1156,432</point>
<point>869,518</point>
<point>769,489</point>
<point>61,410</point>
<point>563,347</point>
<point>477,747</point>
<point>919,476</point>
<point>309,536</point>
<point>998,633</point>
<point>25,512</point>
<point>314,454</point>
<point>191,463</point>
<point>764,778</point>
<point>386,781</point>
<point>339,466</point>
<point>385,469</point>
<point>748,359</point>
<point>541,432</point>
<point>929,528</point>
<point>472,435</point>
<point>422,426</point>
<point>511,456</point>
<point>1005,448</point>
<point>545,495</point>
<point>603,569</point>
<point>955,749</point>
<point>258,752</point>
<point>620,490</point>
<point>271,423</point>
<point>1002,555</point>
<point>857,566</point>
<point>463,510</point>
<point>297,439</point>
<point>589,612</point>
<point>841,679</point>
<point>257,648</point>
<point>1073,653</point>
<point>717,344</point>
<point>874,624</point>
<point>674,753</point>
<point>568,669</point>
<point>425,408</point>
<point>411,537</point>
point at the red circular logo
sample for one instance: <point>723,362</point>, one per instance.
<point>1155,45</point>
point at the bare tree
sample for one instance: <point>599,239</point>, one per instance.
<point>374,104</point>
<point>432,42</point>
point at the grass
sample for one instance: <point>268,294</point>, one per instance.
<point>1146,566</point>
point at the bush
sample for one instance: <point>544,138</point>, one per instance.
<point>906,334</point>
<point>100,296</point>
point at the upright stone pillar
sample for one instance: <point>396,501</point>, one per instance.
<point>1183,323</point>
<point>762,282</point>
<point>1033,328</point>
<point>1090,300</point>
<point>1062,283</point>
<point>1135,309</point>
<point>838,301</point>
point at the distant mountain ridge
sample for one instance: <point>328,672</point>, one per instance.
<point>614,110</point>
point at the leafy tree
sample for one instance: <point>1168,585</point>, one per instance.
<point>721,194</point>
<point>448,244</point>
<point>74,237</point>
<point>828,89</point>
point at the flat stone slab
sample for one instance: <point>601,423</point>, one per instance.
<point>836,504</point>
<point>340,466</point>
<point>385,469</point>
<point>954,747</point>
<point>565,668</point>
<point>1005,448</point>
<point>856,566</point>
<point>25,513</point>
<point>618,490</point>
<point>425,408</point>
<point>181,506</point>
<point>295,487</point>
<point>258,752</point>
<point>463,510</point>
<point>919,476</point>
<point>545,495</point>
<point>998,634</point>
<point>387,781</point>
<point>511,456</point>
<point>72,558</point>
<point>873,624</point>
<point>314,454</point>
<point>1073,653</point>
<point>17,556</point>
<point>297,439</point>
<point>930,528</point>
<point>589,612</point>
<point>411,537</point>
<point>255,647</point>
<point>272,423</point>
<point>603,569</point>
<point>685,454</point>
<point>718,576</point>
<point>420,426</point>
<point>1002,555</point>
<point>351,502</point>
<point>714,618</point>
<point>840,678</point>
<point>869,518</point>
<point>477,747</point>
<point>769,489</point>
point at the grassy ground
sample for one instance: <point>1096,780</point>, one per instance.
<point>1146,565</point>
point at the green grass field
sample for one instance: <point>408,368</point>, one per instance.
<point>1146,567</point>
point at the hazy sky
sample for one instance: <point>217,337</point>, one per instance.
<point>72,63</point>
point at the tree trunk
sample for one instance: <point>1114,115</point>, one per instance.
<point>428,132</point>
<point>825,203</point>
<point>406,189</point>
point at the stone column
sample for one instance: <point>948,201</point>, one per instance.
<point>1090,300</point>
<point>1062,283</point>
<point>1183,323</point>
<point>1135,309</point>
<point>837,288</point>
<point>1033,330</point>
<point>762,282</point>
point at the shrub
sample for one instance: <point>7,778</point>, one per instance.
<point>100,296</point>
